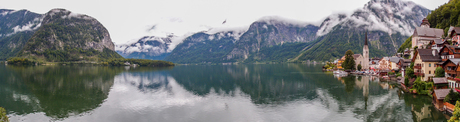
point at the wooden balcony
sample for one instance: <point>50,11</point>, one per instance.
<point>418,67</point>
<point>451,72</point>
<point>419,74</point>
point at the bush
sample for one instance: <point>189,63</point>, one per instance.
<point>456,115</point>
<point>422,87</point>
<point>3,117</point>
<point>21,61</point>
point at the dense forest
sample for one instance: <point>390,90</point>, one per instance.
<point>445,16</point>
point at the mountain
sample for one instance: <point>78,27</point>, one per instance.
<point>148,47</point>
<point>261,41</point>
<point>65,36</point>
<point>204,47</point>
<point>390,23</point>
<point>273,39</point>
<point>16,27</point>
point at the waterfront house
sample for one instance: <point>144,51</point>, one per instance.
<point>425,61</point>
<point>438,98</point>
<point>374,63</point>
<point>423,35</point>
<point>440,83</point>
<point>339,62</point>
<point>449,52</point>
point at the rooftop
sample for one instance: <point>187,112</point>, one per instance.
<point>429,55</point>
<point>356,56</point>
<point>441,93</point>
<point>428,32</point>
<point>441,80</point>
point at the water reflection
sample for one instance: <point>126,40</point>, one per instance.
<point>282,92</point>
<point>59,92</point>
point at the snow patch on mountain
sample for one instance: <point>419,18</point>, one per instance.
<point>235,32</point>
<point>151,45</point>
<point>277,19</point>
<point>329,23</point>
<point>33,25</point>
<point>378,15</point>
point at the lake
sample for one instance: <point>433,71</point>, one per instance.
<point>204,93</point>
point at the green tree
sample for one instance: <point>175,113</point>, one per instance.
<point>452,97</point>
<point>422,87</point>
<point>3,117</point>
<point>439,72</point>
<point>349,63</point>
<point>360,67</point>
<point>410,72</point>
<point>456,115</point>
<point>406,81</point>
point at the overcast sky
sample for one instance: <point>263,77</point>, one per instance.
<point>131,19</point>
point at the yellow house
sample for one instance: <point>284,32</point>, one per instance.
<point>339,63</point>
<point>425,61</point>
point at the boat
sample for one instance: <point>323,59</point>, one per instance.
<point>340,72</point>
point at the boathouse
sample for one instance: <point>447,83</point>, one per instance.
<point>438,98</point>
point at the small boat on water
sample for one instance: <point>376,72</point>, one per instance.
<point>340,72</point>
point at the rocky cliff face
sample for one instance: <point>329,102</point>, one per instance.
<point>269,32</point>
<point>67,36</point>
<point>16,27</point>
<point>148,47</point>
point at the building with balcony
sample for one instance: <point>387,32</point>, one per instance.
<point>449,52</point>
<point>425,61</point>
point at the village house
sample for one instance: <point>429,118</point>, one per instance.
<point>451,69</point>
<point>394,63</point>
<point>374,63</point>
<point>384,63</point>
<point>403,63</point>
<point>425,61</point>
<point>454,35</point>
<point>339,62</point>
<point>423,35</point>
<point>449,52</point>
<point>438,44</point>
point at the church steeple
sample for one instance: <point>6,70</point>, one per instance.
<point>365,41</point>
<point>365,61</point>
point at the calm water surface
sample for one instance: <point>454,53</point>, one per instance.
<point>220,93</point>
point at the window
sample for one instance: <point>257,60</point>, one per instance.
<point>429,65</point>
<point>429,72</point>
